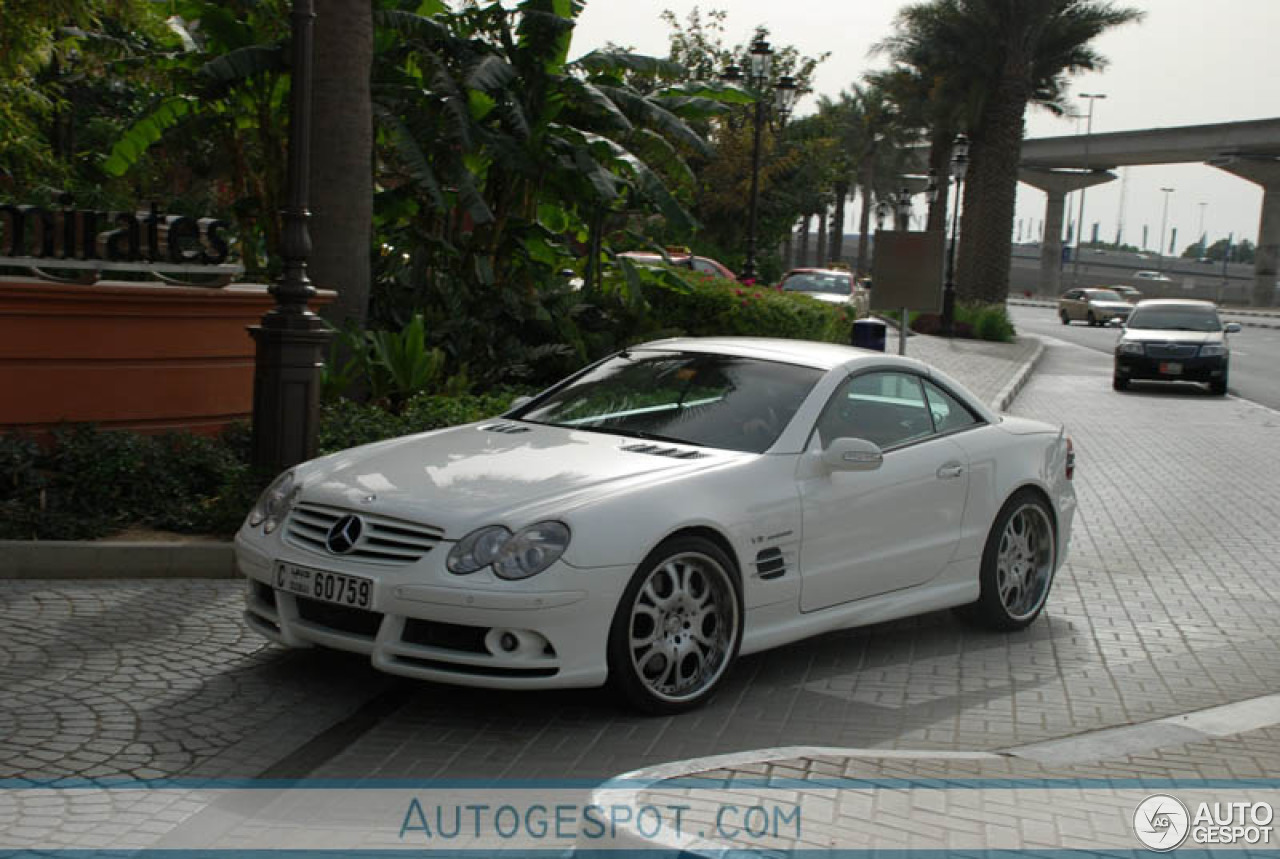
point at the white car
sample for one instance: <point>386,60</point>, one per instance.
<point>658,514</point>
<point>1152,275</point>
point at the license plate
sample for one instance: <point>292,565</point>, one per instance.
<point>322,585</point>
<point>1170,368</point>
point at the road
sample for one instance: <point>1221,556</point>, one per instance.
<point>1255,352</point>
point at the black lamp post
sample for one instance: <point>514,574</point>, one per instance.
<point>291,339</point>
<point>785,91</point>
<point>959,166</point>
<point>903,206</point>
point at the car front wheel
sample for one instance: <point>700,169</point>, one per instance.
<point>677,628</point>
<point>1018,563</point>
<point>1093,320</point>
<point>1218,387</point>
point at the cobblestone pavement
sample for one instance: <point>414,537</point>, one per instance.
<point>1167,604</point>
<point>155,679</point>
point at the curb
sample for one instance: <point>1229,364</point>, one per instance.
<point>1009,392</point>
<point>89,559</point>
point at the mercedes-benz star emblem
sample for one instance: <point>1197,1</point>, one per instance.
<point>344,534</point>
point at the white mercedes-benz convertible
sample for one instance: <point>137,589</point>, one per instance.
<point>651,518</point>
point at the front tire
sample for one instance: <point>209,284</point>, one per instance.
<point>1093,320</point>
<point>1119,383</point>
<point>1018,564</point>
<point>1218,387</point>
<point>677,628</point>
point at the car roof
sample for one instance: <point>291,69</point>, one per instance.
<point>838,271</point>
<point>1177,302</point>
<point>809,353</point>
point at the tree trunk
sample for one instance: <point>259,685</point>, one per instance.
<point>822,238</point>
<point>867,170</point>
<point>986,223</point>
<point>802,258</point>
<point>940,163</point>
<point>836,244</point>
<point>342,156</point>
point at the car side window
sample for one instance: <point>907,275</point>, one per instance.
<point>949,414</point>
<point>884,407</point>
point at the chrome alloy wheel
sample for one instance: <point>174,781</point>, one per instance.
<point>1024,561</point>
<point>683,626</point>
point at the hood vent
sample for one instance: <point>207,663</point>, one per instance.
<point>506,428</point>
<point>658,450</point>
<point>770,564</point>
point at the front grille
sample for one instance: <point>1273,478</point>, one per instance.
<point>382,540</point>
<point>448,636</point>
<point>1171,350</point>
<point>343,618</point>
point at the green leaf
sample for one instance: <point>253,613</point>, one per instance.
<point>617,61</point>
<point>554,218</point>
<point>480,104</point>
<point>146,131</point>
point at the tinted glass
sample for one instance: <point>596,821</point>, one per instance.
<point>949,414</point>
<point>1104,295</point>
<point>708,400</point>
<point>835,284</point>
<point>1172,318</point>
<point>888,409</point>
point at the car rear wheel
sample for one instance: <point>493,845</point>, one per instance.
<point>677,628</point>
<point>1018,563</point>
<point>1093,320</point>
<point>1066,317</point>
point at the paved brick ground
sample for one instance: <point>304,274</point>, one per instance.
<point>1167,604</point>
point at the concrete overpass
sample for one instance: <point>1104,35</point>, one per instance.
<point>1249,150</point>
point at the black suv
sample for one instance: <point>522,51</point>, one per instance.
<point>1174,340</point>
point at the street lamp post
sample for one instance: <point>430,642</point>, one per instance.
<point>1088,131</point>
<point>291,339</point>
<point>785,92</point>
<point>959,166</point>
<point>1164,218</point>
<point>903,205</point>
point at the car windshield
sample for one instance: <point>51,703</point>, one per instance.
<point>1104,295</point>
<point>1176,319</point>
<point>835,284</point>
<point>692,398</point>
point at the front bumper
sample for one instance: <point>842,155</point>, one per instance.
<point>1195,369</point>
<point>427,623</point>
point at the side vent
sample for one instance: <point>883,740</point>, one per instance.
<point>506,428</point>
<point>657,450</point>
<point>770,563</point>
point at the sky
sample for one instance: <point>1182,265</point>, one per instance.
<point>1188,62</point>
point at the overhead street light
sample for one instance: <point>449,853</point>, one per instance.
<point>785,91</point>
<point>1075,268</point>
<point>1164,218</point>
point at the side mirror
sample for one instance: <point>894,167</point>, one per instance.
<point>1232,328</point>
<point>852,454</point>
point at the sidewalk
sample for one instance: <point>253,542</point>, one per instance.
<point>993,371</point>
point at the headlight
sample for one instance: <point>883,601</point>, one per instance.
<point>1212,350</point>
<point>532,550</point>
<point>513,556</point>
<point>274,504</point>
<point>477,550</point>
<point>1129,349</point>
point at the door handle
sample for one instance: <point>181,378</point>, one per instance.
<point>950,470</point>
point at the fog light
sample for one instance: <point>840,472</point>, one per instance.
<point>521,643</point>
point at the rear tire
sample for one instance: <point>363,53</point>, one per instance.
<point>1018,565</point>
<point>1093,320</point>
<point>1066,317</point>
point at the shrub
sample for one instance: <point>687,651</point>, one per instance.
<point>972,322</point>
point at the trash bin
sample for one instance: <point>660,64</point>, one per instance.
<point>869,334</point>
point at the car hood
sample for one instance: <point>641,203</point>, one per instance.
<point>831,297</point>
<point>1162,336</point>
<point>496,472</point>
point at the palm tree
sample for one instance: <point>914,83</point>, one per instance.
<point>990,59</point>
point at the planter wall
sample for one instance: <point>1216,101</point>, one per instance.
<point>127,355</point>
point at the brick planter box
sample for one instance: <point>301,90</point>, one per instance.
<point>127,355</point>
